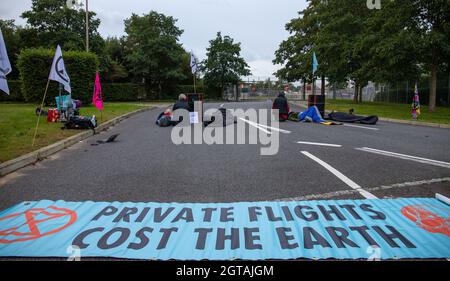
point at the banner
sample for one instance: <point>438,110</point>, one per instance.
<point>415,111</point>
<point>193,64</point>
<point>5,65</point>
<point>315,63</point>
<point>343,229</point>
<point>97,98</point>
<point>58,71</point>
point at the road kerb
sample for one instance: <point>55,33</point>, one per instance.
<point>42,153</point>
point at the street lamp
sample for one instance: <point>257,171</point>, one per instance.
<point>76,4</point>
<point>87,26</point>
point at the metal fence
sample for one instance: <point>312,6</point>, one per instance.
<point>400,92</point>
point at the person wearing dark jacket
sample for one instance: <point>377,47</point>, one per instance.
<point>282,105</point>
<point>181,103</point>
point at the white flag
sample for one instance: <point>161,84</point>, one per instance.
<point>58,72</point>
<point>193,64</point>
<point>5,65</point>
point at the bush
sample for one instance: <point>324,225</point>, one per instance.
<point>15,92</point>
<point>123,92</point>
<point>34,66</point>
<point>188,89</point>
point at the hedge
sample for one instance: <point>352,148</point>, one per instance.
<point>15,92</point>
<point>123,92</point>
<point>34,66</point>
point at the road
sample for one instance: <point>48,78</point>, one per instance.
<point>145,166</point>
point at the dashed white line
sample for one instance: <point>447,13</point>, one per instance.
<point>319,144</point>
<point>406,157</point>
<point>341,176</point>
<point>362,127</point>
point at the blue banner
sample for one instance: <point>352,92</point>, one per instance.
<point>343,229</point>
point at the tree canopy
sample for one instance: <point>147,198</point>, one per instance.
<point>223,64</point>
<point>354,43</point>
<point>52,22</point>
<point>152,49</point>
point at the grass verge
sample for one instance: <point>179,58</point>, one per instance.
<point>18,121</point>
<point>390,110</point>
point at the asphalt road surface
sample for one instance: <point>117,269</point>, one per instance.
<point>143,165</point>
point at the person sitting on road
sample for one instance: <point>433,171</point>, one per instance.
<point>282,105</point>
<point>181,103</point>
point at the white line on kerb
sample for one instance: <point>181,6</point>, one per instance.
<point>362,127</point>
<point>319,143</point>
<point>341,176</point>
<point>330,195</point>
<point>406,157</point>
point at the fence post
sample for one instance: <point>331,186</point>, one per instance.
<point>396,90</point>
<point>389,93</point>
<point>448,91</point>
<point>407,92</point>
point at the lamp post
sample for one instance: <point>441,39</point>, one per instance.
<point>76,4</point>
<point>87,26</point>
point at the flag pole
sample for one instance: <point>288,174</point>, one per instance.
<point>195,90</point>
<point>40,112</point>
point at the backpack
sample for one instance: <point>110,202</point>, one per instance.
<point>164,121</point>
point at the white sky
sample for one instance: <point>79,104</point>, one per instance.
<point>257,24</point>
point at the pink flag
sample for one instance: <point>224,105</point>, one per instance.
<point>97,99</point>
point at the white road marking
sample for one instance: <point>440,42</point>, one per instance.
<point>406,157</point>
<point>362,127</point>
<point>272,128</point>
<point>443,198</point>
<point>319,144</point>
<point>264,127</point>
<point>334,194</point>
<point>256,126</point>
<point>341,176</point>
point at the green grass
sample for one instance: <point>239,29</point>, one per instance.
<point>18,121</point>
<point>390,110</point>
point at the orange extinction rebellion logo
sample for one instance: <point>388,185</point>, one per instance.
<point>426,219</point>
<point>35,223</point>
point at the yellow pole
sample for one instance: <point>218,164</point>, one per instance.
<point>40,111</point>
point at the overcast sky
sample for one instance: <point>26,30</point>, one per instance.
<point>257,24</point>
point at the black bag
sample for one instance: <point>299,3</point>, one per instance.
<point>78,122</point>
<point>350,118</point>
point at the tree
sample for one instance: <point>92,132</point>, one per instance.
<point>296,52</point>
<point>223,63</point>
<point>391,44</point>
<point>432,24</point>
<point>52,22</point>
<point>352,42</point>
<point>112,59</point>
<point>152,50</point>
<point>331,29</point>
